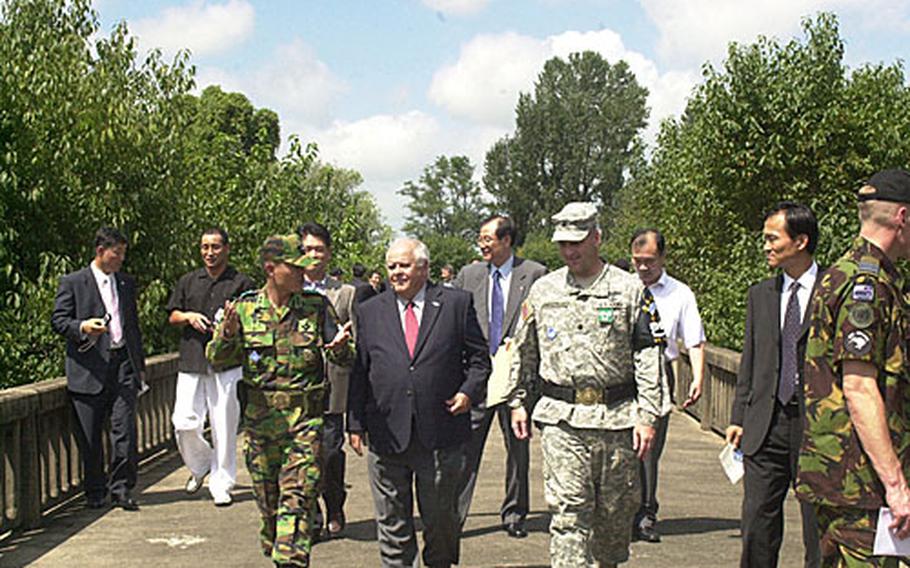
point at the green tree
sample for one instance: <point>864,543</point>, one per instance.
<point>445,200</point>
<point>574,139</point>
<point>777,121</point>
<point>91,136</point>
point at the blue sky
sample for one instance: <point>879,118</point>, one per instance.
<point>385,86</point>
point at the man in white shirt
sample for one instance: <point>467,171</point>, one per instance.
<point>679,318</point>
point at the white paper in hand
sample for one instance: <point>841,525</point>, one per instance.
<point>886,542</point>
<point>731,459</point>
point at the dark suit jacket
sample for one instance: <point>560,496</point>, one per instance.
<point>390,392</point>
<point>475,278</point>
<point>759,367</point>
<point>78,299</point>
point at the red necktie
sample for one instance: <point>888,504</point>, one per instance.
<point>410,328</point>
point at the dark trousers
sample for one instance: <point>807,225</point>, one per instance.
<point>648,470</point>
<point>117,401</point>
<point>435,474</point>
<point>769,474</point>
<point>649,467</point>
<point>516,501</point>
<point>333,492</point>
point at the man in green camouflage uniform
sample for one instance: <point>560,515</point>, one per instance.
<point>587,340</point>
<point>279,333</point>
<point>857,438</point>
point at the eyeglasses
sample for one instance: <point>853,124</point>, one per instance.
<point>486,240</point>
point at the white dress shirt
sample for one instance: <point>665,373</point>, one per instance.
<point>505,280</point>
<point>678,313</point>
<point>806,282</point>
<point>104,281</point>
<point>418,302</point>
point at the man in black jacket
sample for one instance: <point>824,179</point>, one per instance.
<point>95,310</point>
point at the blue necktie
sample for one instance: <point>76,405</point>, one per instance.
<point>789,337</point>
<point>496,313</point>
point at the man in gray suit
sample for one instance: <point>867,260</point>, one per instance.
<point>499,285</point>
<point>316,242</point>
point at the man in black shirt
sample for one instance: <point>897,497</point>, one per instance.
<point>195,305</point>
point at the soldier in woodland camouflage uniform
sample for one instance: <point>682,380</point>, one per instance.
<point>857,439</point>
<point>589,336</point>
<point>279,334</point>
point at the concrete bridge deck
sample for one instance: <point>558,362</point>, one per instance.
<point>699,520</point>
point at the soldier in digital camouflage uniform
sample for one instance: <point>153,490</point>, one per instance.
<point>588,340</point>
<point>857,438</point>
<point>279,334</point>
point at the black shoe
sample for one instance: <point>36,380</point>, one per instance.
<point>647,533</point>
<point>95,502</point>
<point>516,529</point>
<point>125,502</point>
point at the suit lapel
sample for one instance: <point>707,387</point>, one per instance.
<point>774,292</point>
<point>483,314</point>
<point>432,305</point>
<point>393,320</point>
<point>516,293</point>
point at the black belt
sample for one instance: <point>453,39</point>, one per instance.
<point>590,395</point>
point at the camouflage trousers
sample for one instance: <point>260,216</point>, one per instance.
<point>282,455</point>
<point>591,485</point>
<point>846,538</point>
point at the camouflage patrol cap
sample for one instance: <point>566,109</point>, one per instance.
<point>574,222</point>
<point>887,185</point>
<point>285,248</point>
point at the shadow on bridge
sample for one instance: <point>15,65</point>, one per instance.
<point>699,520</point>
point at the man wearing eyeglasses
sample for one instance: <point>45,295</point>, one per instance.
<point>499,285</point>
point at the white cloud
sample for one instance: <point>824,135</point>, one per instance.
<point>483,85</point>
<point>203,27</point>
<point>292,81</point>
<point>456,7</point>
<point>694,31</point>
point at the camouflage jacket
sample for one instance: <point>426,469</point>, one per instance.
<point>602,336</point>
<point>858,313</point>
<point>280,348</point>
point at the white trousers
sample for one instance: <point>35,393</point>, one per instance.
<point>215,395</point>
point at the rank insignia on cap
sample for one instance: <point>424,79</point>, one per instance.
<point>552,333</point>
<point>605,315</point>
<point>858,342</point>
<point>863,292</point>
<point>255,357</point>
<point>861,315</point>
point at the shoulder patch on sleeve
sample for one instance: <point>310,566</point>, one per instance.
<point>863,292</point>
<point>858,342</point>
<point>869,265</point>
<point>861,315</point>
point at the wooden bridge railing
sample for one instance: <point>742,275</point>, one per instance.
<point>713,409</point>
<point>39,460</point>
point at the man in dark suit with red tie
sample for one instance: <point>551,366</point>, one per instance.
<point>766,421</point>
<point>95,310</point>
<point>421,362</point>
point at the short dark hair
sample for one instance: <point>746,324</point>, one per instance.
<point>217,231</point>
<point>336,272</point>
<point>317,230</point>
<point>358,270</point>
<point>505,227</point>
<point>799,220</point>
<point>108,237</point>
<point>640,239</point>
